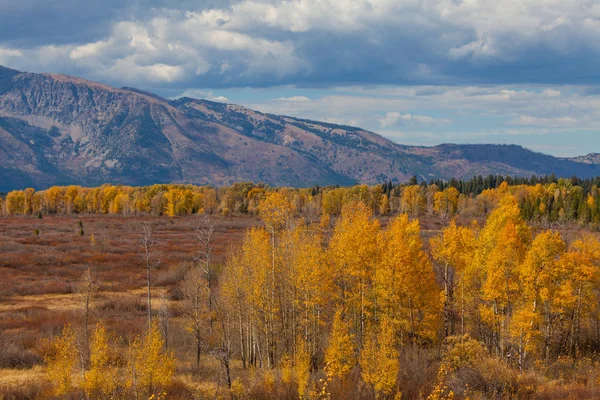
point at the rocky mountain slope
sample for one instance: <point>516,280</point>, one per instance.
<point>57,129</point>
<point>592,158</point>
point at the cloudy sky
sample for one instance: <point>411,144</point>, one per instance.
<point>416,71</point>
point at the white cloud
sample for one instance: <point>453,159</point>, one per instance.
<point>294,98</point>
<point>394,118</point>
<point>204,94</point>
<point>10,53</point>
<point>547,122</point>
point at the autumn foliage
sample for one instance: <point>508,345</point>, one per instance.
<point>414,291</point>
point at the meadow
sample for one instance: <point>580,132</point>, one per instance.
<point>42,275</point>
<point>410,291</point>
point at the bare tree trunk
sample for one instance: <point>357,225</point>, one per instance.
<point>152,260</point>
<point>446,301</point>
<point>204,232</point>
<point>149,283</point>
<point>272,308</point>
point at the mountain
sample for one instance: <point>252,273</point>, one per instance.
<point>592,158</point>
<point>58,129</point>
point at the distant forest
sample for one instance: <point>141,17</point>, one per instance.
<point>543,199</point>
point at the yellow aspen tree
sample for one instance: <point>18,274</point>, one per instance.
<point>384,205</point>
<point>15,202</point>
<point>445,203</point>
<point>108,195</point>
<point>413,200</point>
<point>301,368</point>
<point>29,201</point>
<point>71,193</point>
<point>256,260</point>
<point>52,199</point>
<point>501,290</point>
<point>578,294</point>
<point>289,245</point>
<point>151,368</point>
<point>541,276</point>
<point>489,240</point>
<point>379,360</point>
<point>405,282</point>
<point>313,285</point>
<point>353,250</point>
<point>459,352</point>
<point>340,357</point>
<point>119,204</point>
<point>235,295</point>
<point>79,205</point>
<point>453,249</point>
<point>507,211</point>
<point>61,362</point>
<point>172,196</point>
<point>333,200</point>
<point>100,379</point>
<point>275,211</point>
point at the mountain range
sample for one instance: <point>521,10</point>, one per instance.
<point>59,129</point>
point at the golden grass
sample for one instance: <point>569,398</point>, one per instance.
<point>21,377</point>
<point>72,301</point>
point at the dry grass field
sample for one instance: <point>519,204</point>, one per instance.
<point>42,262</point>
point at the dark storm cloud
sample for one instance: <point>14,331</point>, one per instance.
<point>259,43</point>
<point>30,23</point>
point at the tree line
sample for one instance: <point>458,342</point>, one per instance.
<point>545,200</point>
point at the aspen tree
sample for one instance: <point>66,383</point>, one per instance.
<point>301,368</point>
<point>379,360</point>
<point>453,249</point>
<point>384,205</point>
<point>445,203</point>
<point>256,258</point>
<point>15,202</point>
<point>151,368</point>
<point>486,303</point>
<point>353,250</point>
<point>578,295</point>
<point>61,362</point>
<point>275,211</point>
<point>501,289</point>
<point>340,357</point>
<point>235,294</point>
<point>413,201</point>
<point>313,285</point>
<point>405,282</point>
<point>100,379</point>
<point>541,276</point>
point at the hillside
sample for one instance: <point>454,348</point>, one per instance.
<point>58,129</point>
<point>592,158</point>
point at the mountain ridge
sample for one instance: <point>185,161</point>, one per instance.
<point>59,129</point>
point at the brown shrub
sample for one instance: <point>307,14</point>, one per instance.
<point>14,355</point>
<point>29,391</point>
